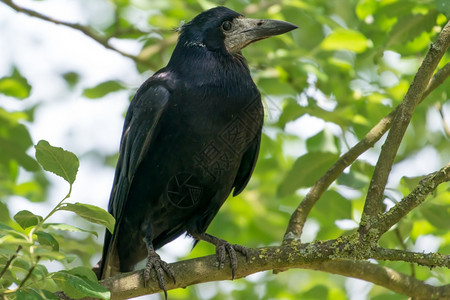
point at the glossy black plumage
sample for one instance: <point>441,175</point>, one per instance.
<point>191,136</point>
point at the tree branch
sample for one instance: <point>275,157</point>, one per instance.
<point>385,277</point>
<point>299,216</point>
<point>438,78</point>
<point>414,199</point>
<point>373,204</point>
<point>405,248</point>
<point>424,259</point>
<point>315,256</point>
<point>84,29</point>
<point>10,260</point>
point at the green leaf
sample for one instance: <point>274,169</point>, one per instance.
<point>353,179</point>
<point>52,255</point>
<point>410,182</point>
<point>272,86</point>
<point>57,160</point>
<point>40,270</point>
<point>92,213</point>
<point>88,287</point>
<point>409,27</point>
<point>84,272</point>
<point>345,39</point>
<point>316,292</point>
<point>26,219</point>
<point>67,227</point>
<point>11,240</point>
<point>437,215</point>
<point>103,89</point>
<point>306,170</point>
<point>71,78</point>
<point>444,7</point>
<point>324,141</point>
<point>71,257</point>
<point>291,111</point>
<point>359,175</point>
<point>332,206</point>
<point>31,190</point>
<point>45,238</point>
<point>4,214</point>
<point>15,86</point>
<point>77,285</point>
<point>29,294</point>
<point>365,8</point>
<point>15,140</point>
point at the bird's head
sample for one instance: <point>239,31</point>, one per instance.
<point>221,29</point>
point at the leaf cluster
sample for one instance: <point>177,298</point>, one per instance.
<point>29,242</point>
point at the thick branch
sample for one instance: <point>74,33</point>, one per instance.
<point>84,29</point>
<point>373,204</point>
<point>310,256</point>
<point>383,276</point>
<point>298,217</point>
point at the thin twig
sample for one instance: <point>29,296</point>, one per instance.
<point>441,75</point>
<point>84,29</point>
<point>373,204</point>
<point>30,271</point>
<point>424,259</point>
<point>444,122</point>
<point>426,186</point>
<point>10,260</point>
<point>402,243</point>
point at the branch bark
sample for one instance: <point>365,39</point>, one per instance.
<point>373,204</point>
<point>299,216</point>
<point>425,259</point>
<point>384,276</point>
<point>414,199</point>
<point>315,256</point>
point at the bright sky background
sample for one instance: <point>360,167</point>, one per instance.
<point>42,50</point>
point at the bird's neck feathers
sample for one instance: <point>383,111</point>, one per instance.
<point>194,60</point>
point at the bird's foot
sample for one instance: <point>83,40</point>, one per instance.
<point>223,247</point>
<point>156,263</point>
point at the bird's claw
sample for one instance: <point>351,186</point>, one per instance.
<point>223,247</point>
<point>156,263</point>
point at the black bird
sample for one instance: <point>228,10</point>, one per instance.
<point>191,136</point>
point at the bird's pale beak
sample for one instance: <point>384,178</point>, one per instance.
<point>245,31</point>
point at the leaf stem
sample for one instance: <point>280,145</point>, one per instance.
<point>55,209</point>
<point>29,273</point>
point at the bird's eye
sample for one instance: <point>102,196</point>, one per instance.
<point>226,25</point>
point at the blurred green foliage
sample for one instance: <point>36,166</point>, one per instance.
<point>347,66</point>
<point>27,240</point>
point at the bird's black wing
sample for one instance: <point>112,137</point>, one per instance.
<point>255,118</point>
<point>247,165</point>
<point>141,124</point>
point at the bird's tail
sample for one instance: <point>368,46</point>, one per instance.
<point>109,265</point>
